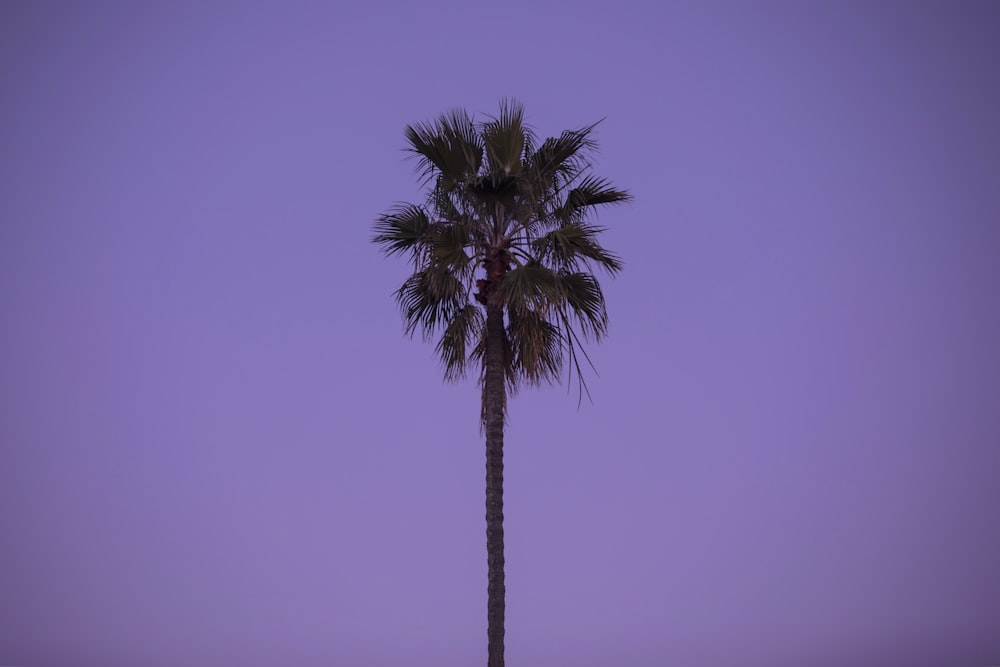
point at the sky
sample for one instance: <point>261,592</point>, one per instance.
<point>218,447</point>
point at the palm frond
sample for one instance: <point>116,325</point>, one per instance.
<point>453,348</point>
<point>537,347</point>
<point>505,137</point>
<point>557,188</point>
<point>531,288</point>
<point>429,299</point>
<point>448,246</point>
<point>566,246</point>
<point>403,229</point>
<point>574,350</point>
<point>450,147</point>
<point>443,202</point>
<point>585,303</point>
<point>560,160</point>
<point>591,191</point>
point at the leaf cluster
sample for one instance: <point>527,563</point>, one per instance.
<point>497,194</point>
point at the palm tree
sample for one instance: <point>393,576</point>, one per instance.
<point>499,201</point>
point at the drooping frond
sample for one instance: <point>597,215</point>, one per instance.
<point>536,344</point>
<point>429,299</point>
<point>585,304</point>
<point>460,337</point>
<point>531,288</point>
<point>574,350</point>
<point>550,313</point>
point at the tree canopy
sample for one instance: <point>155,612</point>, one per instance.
<point>522,211</point>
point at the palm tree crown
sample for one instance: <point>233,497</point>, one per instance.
<point>500,201</point>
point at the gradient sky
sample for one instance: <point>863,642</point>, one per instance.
<point>217,447</point>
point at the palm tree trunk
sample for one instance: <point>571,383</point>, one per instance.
<point>494,399</point>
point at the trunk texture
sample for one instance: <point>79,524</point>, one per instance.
<point>494,399</point>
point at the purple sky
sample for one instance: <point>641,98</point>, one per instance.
<point>217,447</point>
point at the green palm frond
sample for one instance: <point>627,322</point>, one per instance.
<point>402,230</point>
<point>561,160</point>
<point>566,246</point>
<point>453,348</point>
<point>505,137</point>
<point>429,299</point>
<point>450,147</point>
<point>591,191</point>
<point>443,203</point>
<point>585,304</point>
<point>448,245</point>
<point>531,288</point>
<point>537,347</point>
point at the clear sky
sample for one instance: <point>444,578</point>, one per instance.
<point>217,447</point>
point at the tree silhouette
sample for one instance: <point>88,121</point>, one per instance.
<point>520,211</point>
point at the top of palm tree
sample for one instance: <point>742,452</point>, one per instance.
<point>520,210</point>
